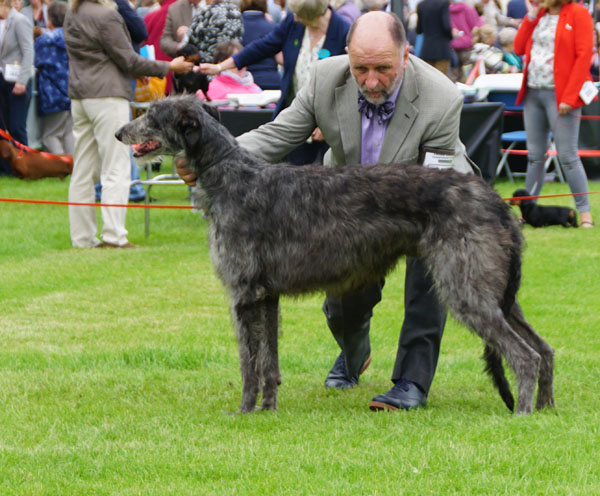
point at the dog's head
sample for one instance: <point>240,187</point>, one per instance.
<point>7,151</point>
<point>175,125</point>
<point>520,193</point>
<point>190,53</point>
<point>10,153</point>
<point>192,81</point>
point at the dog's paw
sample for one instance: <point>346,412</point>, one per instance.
<point>244,410</point>
<point>268,406</point>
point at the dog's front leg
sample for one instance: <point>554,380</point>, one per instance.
<point>248,320</point>
<point>269,360</point>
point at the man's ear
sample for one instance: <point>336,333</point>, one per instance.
<point>405,56</point>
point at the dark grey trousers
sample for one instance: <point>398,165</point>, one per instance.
<point>349,319</point>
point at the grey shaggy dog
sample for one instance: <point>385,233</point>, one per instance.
<point>278,229</point>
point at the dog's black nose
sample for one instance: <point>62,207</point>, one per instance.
<point>119,134</point>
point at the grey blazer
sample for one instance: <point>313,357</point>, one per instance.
<point>427,114</point>
<point>179,14</point>
<point>101,58</point>
<point>17,45</point>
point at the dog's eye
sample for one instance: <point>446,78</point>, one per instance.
<point>151,121</point>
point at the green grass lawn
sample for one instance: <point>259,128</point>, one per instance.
<point>118,369</point>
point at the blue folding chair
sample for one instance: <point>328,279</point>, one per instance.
<point>514,138</point>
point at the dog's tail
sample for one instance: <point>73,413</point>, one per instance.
<point>493,366</point>
<point>514,272</point>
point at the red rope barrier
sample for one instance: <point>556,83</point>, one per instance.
<point>552,153</point>
<point>79,204</point>
<point>188,207</point>
<point>550,196</point>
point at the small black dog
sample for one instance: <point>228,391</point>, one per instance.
<point>192,81</point>
<point>540,216</point>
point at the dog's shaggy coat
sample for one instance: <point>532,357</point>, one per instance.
<point>278,229</point>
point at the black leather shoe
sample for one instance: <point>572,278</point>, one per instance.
<point>403,395</point>
<point>338,377</point>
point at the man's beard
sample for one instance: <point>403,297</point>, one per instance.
<point>386,93</point>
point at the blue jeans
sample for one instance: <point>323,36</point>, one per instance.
<point>541,116</point>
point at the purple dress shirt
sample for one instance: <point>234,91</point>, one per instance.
<point>372,135</point>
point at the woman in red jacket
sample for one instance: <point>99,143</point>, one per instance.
<point>557,40</point>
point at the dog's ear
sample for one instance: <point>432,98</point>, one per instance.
<point>212,111</point>
<point>190,127</point>
<point>6,151</point>
<point>192,135</point>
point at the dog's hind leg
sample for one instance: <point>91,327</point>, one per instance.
<point>491,326</point>
<point>545,395</point>
<point>269,361</point>
<point>475,301</point>
<point>521,357</point>
<point>249,321</point>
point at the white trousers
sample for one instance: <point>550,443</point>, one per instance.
<point>98,155</point>
<point>57,135</point>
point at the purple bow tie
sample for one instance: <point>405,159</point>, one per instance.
<point>384,111</point>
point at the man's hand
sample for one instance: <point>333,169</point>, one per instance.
<point>180,66</point>
<point>19,89</point>
<point>189,176</point>
<point>317,135</point>
<point>208,69</point>
<point>181,31</point>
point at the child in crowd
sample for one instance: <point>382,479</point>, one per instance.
<point>506,38</point>
<point>485,49</point>
<point>230,81</point>
<point>52,65</point>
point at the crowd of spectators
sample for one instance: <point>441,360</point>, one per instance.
<point>470,21</point>
<point>453,35</point>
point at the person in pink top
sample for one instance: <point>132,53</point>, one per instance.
<point>463,18</point>
<point>232,80</point>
